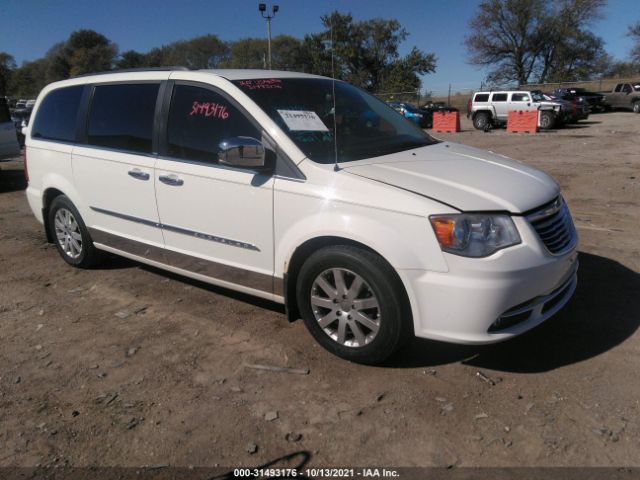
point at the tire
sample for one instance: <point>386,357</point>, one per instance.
<point>636,106</point>
<point>481,120</point>
<point>364,325</point>
<point>70,234</point>
<point>547,120</point>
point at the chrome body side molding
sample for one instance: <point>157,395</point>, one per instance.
<point>184,231</point>
<point>214,270</point>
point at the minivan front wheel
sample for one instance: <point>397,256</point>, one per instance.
<point>70,234</point>
<point>353,304</point>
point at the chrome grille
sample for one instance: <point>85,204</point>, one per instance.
<point>554,226</point>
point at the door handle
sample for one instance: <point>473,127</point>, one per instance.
<point>138,174</point>
<point>171,180</point>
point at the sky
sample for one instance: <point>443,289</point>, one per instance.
<point>29,27</point>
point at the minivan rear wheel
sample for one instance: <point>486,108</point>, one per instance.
<point>70,234</point>
<point>353,304</point>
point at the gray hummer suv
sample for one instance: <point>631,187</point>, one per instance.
<point>492,108</point>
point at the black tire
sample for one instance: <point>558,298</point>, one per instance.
<point>481,120</point>
<point>636,106</point>
<point>381,282</point>
<point>87,255</point>
<point>547,120</point>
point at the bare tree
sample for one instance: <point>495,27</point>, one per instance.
<point>525,39</point>
<point>634,33</point>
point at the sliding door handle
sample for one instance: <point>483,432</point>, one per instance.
<point>171,180</point>
<point>138,174</point>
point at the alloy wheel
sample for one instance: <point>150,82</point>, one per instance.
<point>68,233</point>
<point>345,307</point>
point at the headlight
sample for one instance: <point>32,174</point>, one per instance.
<point>474,235</point>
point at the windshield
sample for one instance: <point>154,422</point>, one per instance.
<point>304,108</point>
<point>537,96</point>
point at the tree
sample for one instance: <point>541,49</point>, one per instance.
<point>523,39</point>
<point>365,53</point>
<point>634,33</point>
<point>252,53</point>
<point>85,51</point>
<point>131,59</point>
<point>7,66</point>
<point>28,79</point>
<point>207,51</point>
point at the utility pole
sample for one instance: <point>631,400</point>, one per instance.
<point>262,7</point>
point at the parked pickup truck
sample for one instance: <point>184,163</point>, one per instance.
<point>492,108</point>
<point>625,95</point>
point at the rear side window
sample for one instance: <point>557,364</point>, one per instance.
<point>618,87</point>
<point>482,97</point>
<point>199,120</point>
<point>57,115</point>
<point>4,111</point>
<point>122,115</point>
<point>499,97</point>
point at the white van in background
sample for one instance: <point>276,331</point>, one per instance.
<point>9,146</point>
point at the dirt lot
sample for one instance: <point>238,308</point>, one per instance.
<point>127,365</point>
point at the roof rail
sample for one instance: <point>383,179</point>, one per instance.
<point>125,70</point>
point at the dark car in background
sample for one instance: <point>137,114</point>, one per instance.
<point>595,101</point>
<point>422,118</point>
<point>573,110</point>
<point>438,107</point>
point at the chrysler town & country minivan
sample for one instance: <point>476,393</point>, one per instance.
<point>304,191</point>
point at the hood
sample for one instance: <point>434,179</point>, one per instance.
<point>465,178</point>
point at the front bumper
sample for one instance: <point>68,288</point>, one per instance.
<point>492,299</point>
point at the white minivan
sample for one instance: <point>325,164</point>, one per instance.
<point>304,191</point>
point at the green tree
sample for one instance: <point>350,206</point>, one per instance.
<point>207,51</point>
<point>365,53</point>
<point>85,51</point>
<point>252,53</point>
<point>131,59</point>
<point>7,66</point>
<point>28,79</point>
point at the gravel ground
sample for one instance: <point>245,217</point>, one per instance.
<point>126,365</point>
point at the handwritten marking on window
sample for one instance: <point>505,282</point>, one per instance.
<point>214,110</point>
<point>261,83</point>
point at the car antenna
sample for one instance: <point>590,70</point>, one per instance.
<point>333,94</point>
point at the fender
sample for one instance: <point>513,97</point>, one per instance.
<point>400,239</point>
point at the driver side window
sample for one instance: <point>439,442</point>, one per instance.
<point>199,120</point>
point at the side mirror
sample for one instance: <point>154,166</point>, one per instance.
<point>242,152</point>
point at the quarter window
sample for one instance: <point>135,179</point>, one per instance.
<point>57,115</point>
<point>482,97</point>
<point>122,116</point>
<point>199,120</point>
<point>499,97</point>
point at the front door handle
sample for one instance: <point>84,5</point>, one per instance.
<point>138,174</point>
<point>171,180</point>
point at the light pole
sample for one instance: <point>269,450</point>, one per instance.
<point>262,7</point>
